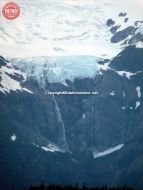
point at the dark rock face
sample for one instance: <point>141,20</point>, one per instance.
<point>122,35</point>
<point>126,20</point>
<point>130,35</point>
<point>122,14</point>
<point>134,57</point>
<point>103,61</point>
<point>79,124</point>
<point>114,29</point>
<point>110,22</point>
<point>2,61</point>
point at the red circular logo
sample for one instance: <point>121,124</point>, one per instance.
<point>11,10</point>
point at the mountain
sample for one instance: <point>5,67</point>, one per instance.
<point>92,135</point>
<point>72,115</point>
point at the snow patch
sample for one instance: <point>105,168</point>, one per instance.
<point>25,89</point>
<point>139,45</point>
<point>124,95</point>
<point>83,116</point>
<point>13,137</point>
<point>49,148</point>
<point>65,84</point>
<point>112,93</point>
<point>103,67</point>
<point>137,104</point>
<point>52,148</point>
<point>138,89</point>
<point>108,151</point>
<point>125,73</point>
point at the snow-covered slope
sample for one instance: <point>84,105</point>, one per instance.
<point>73,27</point>
<point>10,78</point>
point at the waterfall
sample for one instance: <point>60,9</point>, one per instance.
<point>59,116</point>
<point>92,127</point>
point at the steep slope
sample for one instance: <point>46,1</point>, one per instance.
<point>10,78</point>
<point>92,135</point>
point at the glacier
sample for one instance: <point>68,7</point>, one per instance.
<point>66,33</point>
<point>58,69</point>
